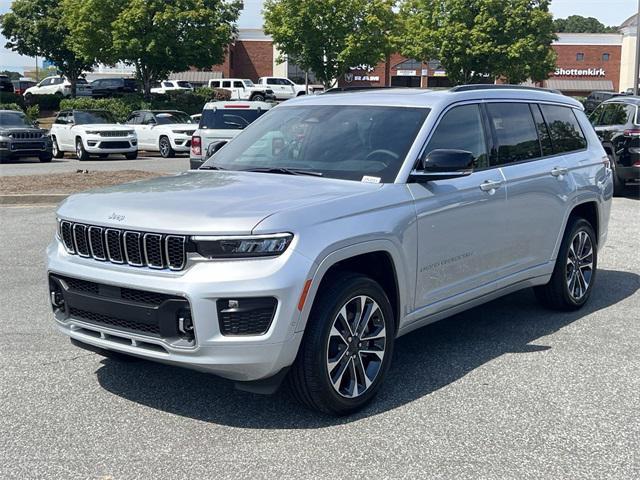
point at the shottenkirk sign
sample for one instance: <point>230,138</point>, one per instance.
<point>579,72</point>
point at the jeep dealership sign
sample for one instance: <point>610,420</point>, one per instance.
<point>579,72</point>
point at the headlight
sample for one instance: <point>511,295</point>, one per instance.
<point>242,246</point>
<point>92,132</point>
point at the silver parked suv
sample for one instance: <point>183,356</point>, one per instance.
<point>329,227</point>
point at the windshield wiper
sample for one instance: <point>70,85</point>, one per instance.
<point>210,167</point>
<point>284,170</point>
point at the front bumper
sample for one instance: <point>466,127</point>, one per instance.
<point>10,148</point>
<point>201,284</point>
<point>96,144</point>
<point>180,143</point>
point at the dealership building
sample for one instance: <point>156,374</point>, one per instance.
<point>586,62</point>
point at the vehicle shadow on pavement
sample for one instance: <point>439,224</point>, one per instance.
<point>424,361</point>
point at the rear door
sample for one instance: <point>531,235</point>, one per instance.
<point>461,222</point>
<point>146,135</point>
<point>532,142</point>
<point>610,125</point>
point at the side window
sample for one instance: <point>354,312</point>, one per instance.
<point>226,84</point>
<point>45,82</point>
<point>58,81</point>
<point>215,84</point>
<point>134,119</point>
<point>148,119</point>
<point>565,131</point>
<point>543,131</point>
<point>237,84</point>
<point>167,84</point>
<point>461,129</point>
<point>61,119</point>
<point>272,81</point>
<point>515,131</point>
<point>596,115</point>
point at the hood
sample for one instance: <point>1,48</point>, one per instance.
<point>5,131</point>
<point>204,202</point>
<point>104,127</point>
<point>179,126</point>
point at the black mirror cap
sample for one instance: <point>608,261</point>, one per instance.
<point>214,147</point>
<point>447,160</point>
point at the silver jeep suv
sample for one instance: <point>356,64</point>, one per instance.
<point>329,227</point>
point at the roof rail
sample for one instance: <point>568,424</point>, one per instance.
<point>491,86</point>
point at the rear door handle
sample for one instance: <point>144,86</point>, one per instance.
<point>556,172</point>
<point>489,185</point>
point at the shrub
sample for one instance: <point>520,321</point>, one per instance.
<point>120,108</point>
<point>33,112</point>
<point>10,106</point>
<point>44,102</point>
<point>7,98</point>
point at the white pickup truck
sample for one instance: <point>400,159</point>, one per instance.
<point>285,89</point>
<point>243,89</point>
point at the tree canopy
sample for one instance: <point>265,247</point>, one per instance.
<point>329,36</point>
<point>580,24</point>
<point>508,39</point>
<point>156,36</point>
<point>35,28</point>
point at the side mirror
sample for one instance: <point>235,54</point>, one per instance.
<point>214,147</point>
<point>441,164</point>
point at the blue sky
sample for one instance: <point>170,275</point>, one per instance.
<point>609,12</point>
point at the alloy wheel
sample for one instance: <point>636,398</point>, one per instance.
<point>356,346</point>
<point>164,147</point>
<point>579,269</point>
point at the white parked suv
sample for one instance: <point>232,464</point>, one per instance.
<point>164,131</point>
<point>172,86</point>
<point>243,89</point>
<point>59,86</point>
<point>284,88</point>
<point>91,132</point>
<point>219,123</point>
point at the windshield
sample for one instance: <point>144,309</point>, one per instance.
<point>248,83</point>
<point>165,118</point>
<point>93,116</point>
<point>229,119</point>
<point>346,142</point>
<point>11,119</point>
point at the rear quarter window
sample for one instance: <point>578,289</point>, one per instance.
<point>564,129</point>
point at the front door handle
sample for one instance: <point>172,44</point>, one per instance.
<point>557,172</point>
<point>490,185</point>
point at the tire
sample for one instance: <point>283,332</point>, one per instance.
<point>165,148</point>
<point>45,158</point>
<point>57,153</point>
<point>257,98</point>
<point>321,377</point>
<point>131,155</point>
<point>59,95</point>
<point>81,153</point>
<point>618,185</point>
<point>566,290</point>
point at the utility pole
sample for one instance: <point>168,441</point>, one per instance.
<point>636,74</point>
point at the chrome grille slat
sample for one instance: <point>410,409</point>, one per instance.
<point>137,249</point>
<point>25,135</point>
<point>80,240</point>
<point>120,133</point>
<point>132,248</point>
<point>96,243</point>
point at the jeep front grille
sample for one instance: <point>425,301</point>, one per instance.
<point>25,135</point>
<point>138,249</point>
<point>118,133</point>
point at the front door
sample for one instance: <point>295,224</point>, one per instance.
<point>460,221</point>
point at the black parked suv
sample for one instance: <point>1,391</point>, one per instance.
<point>596,98</point>
<point>113,87</point>
<point>617,123</point>
<point>21,138</point>
<point>5,84</point>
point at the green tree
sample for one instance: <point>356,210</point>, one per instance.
<point>508,39</point>
<point>580,24</point>
<point>158,37</point>
<point>35,28</point>
<point>329,36</point>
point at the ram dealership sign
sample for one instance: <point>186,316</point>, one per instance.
<point>579,72</point>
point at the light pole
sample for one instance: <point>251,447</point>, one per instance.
<point>636,74</point>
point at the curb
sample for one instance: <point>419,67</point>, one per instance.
<point>31,199</point>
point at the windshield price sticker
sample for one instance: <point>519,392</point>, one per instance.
<point>368,179</point>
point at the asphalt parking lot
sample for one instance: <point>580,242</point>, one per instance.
<point>147,162</point>
<point>507,390</point>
